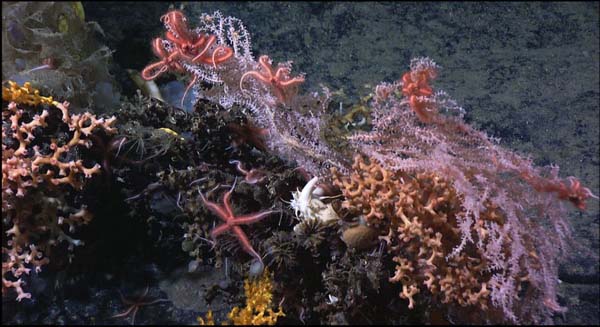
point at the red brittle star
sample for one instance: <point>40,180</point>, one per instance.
<point>279,79</point>
<point>134,305</point>
<point>185,46</point>
<point>252,176</point>
<point>232,222</point>
<point>415,86</point>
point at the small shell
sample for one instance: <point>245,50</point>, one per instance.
<point>359,237</point>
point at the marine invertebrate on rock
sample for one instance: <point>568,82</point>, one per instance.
<point>135,304</point>
<point>360,236</point>
<point>258,309</point>
<point>308,207</point>
<point>310,233</point>
<point>280,250</point>
<point>232,222</point>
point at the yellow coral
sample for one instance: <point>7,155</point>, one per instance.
<point>209,319</point>
<point>25,94</point>
<point>258,309</point>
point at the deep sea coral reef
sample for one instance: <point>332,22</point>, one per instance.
<point>474,223</point>
<point>410,216</point>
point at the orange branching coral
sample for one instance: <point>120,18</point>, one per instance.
<point>419,215</point>
<point>21,167</point>
<point>32,156</point>
<point>258,311</point>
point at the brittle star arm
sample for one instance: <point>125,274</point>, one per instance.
<point>218,231</point>
<point>292,81</point>
<point>126,313</point>
<point>214,208</point>
<point>227,55</point>
<point>264,62</point>
<point>226,199</point>
<point>255,74</point>
<point>148,74</point>
<point>245,242</point>
<point>188,88</point>
<point>243,220</point>
<point>211,40</point>
<point>282,72</point>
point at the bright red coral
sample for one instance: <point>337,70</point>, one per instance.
<point>279,80</point>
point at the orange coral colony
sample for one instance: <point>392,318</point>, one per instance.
<point>417,217</point>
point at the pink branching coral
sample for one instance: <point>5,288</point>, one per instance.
<point>33,164</point>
